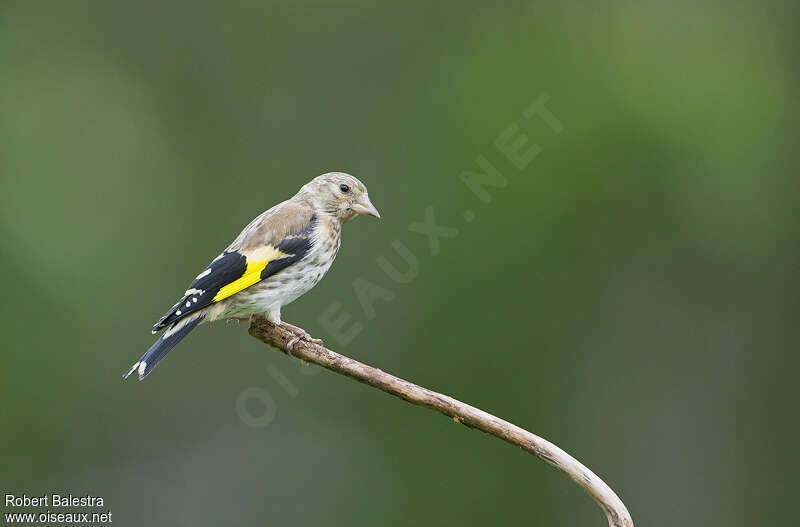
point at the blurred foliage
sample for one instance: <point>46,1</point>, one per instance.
<point>630,295</point>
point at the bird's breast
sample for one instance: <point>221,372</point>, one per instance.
<point>297,279</point>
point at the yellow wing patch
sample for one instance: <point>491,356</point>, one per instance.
<point>257,260</point>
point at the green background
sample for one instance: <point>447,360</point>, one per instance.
<point>631,294</point>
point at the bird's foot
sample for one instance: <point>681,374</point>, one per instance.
<point>290,345</point>
<point>300,334</point>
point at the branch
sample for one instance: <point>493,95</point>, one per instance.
<point>279,337</point>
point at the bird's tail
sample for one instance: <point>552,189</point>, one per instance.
<point>166,342</point>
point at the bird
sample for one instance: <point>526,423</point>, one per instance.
<point>279,256</point>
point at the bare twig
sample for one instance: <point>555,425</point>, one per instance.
<point>279,337</point>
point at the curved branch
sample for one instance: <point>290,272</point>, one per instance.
<point>279,337</point>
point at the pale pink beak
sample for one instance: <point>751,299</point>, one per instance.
<point>365,206</point>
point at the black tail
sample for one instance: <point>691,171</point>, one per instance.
<point>166,342</point>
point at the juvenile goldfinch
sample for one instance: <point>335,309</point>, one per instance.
<point>280,255</point>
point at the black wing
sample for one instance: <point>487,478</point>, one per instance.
<point>235,270</point>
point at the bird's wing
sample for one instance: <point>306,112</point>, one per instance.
<point>273,241</point>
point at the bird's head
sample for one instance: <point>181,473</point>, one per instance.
<point>341,195</point>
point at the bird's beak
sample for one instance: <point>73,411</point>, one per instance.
<point>365,206</point>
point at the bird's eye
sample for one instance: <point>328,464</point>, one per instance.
<point>344,188</point>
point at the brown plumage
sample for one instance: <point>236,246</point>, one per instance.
<point>279,256</point>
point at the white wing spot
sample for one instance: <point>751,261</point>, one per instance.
<point>178,312</point>
<point>142,366</point>
<point>188,303</point>
<point>194,300</point>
